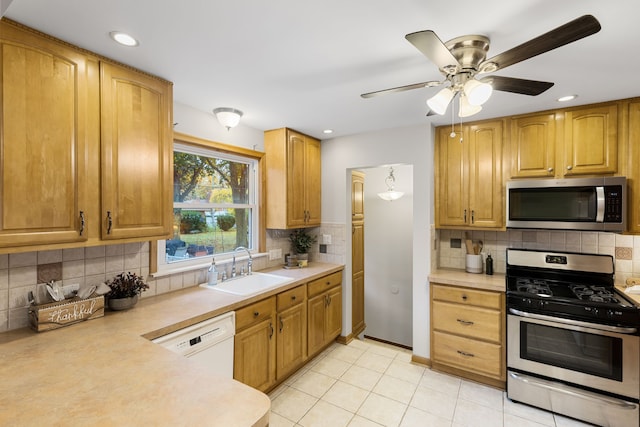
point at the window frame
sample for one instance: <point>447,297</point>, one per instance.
<point>158,265</point>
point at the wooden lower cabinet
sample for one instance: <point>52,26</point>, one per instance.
<point>325,311</point>
<point>254,360</point>
<point>275,336</point>
<point>291,339</point>
<point>468,333</point>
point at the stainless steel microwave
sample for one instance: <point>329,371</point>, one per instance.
<point>598,204</point>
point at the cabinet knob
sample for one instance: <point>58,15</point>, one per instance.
<point>293,298</point>
<point>256,313</point>
<point>464,297</point>
<point>569,167</point>
<point>550,170</point>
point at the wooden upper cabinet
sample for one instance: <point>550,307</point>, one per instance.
<point>533,146</point>
<point>633,177</point>
<point>357,196</point>
<point>469,176</point>
<point>47,120</point>
<point>591,140</point>
<point>136,154</point>
<point>293,179</point>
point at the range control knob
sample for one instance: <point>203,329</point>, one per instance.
<point>610,314</point>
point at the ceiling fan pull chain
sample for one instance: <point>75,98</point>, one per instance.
<point>453,131</point>
<point>461,134</point>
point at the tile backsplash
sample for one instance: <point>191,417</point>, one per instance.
<point>624,248</point>
<point>19,273</point>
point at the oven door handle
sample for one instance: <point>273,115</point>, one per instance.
<point>558,388</point>
<point>607,328</point>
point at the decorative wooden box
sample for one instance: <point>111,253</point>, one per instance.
<point>53,315</point>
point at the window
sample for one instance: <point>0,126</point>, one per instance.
<point>214,206</point>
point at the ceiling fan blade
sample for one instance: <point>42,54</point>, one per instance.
<point>432,47</point>
<point>521,86</point>
<point>401,89</point>
<point>574,30</point>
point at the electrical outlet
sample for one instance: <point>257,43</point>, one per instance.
<point>275,254</point>
<point>326,239</point>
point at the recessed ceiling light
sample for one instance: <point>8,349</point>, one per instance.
<point>327,131</point>
<point>567,98</point>
<point>123,38</point>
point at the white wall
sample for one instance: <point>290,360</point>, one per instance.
<point>410,146</point>
<point>205,125</point>
<point>388,237</point>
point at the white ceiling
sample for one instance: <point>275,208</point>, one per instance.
<point>304,64</point>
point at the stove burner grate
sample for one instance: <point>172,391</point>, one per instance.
<point>593,293</point>
<point>534,286</point>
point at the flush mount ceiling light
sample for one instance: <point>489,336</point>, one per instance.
<point>327,131</point>
<point>123,38</point>
<point>390,195</point>
<point>228,117</point>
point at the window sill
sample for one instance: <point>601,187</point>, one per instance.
<point>170,269</point>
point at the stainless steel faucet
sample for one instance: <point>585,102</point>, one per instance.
<point>249,263</point>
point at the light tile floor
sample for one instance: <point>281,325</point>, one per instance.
<point>370,384</point>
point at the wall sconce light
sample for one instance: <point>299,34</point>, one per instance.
<point>390,195</point>
<point>228,117</point>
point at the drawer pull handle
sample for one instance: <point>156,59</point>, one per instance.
<point>462,353</point>
<point>256,313</point>
<point>464,297</point>
<point>465,322</point>
<point>82,222</point>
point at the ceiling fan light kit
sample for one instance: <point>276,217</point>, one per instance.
<point>440,101</point>
<point>461,59</point>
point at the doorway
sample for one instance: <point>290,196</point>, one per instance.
<point>388,257</point>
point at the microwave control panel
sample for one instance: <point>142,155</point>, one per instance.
<point>613,203</point>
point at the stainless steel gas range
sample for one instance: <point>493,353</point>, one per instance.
<point>573,345</point>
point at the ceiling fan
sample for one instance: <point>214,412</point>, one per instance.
<point>463,58</point>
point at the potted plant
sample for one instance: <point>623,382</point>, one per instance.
<point>302,242</point>
<point>125,288</point>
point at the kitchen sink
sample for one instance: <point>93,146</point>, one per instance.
<point>250,284</point>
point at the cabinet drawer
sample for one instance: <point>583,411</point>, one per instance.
<point>474,322</point>
<point>255,313</point>
<point>467,354</point>
<point>291,297</point>
<point>468,296</point>
<point>322,284</point>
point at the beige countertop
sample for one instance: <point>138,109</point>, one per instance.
<point>106,372</point>
<point>495,282</point>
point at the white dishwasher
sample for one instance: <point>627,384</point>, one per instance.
<point>209,343</point>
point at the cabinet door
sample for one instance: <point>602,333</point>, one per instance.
<point>315,325</point>
<point>357,278</point>
<point>591,140</point>
<point>533,146</point>
<point>451,178</point>
<point>485,175</point>
<point>292,339</point>
<point>255,355</point>
<point>46,118</point>
<point>633,168</point>
<point>136,154</point>
<point>313,194</point>
<point>296,180</point>
<point>357,196</point>
<point>333,316</point>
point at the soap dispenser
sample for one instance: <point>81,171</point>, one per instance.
<point>212,274</point>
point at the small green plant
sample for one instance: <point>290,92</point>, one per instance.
<point>301,241</point>
<point>126,285</point>
<point>226,222</point>
<point>192,222</point>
